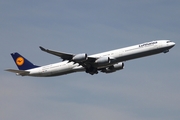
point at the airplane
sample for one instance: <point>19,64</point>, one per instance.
<point>106,62</point>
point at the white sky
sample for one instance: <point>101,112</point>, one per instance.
<point>147,88</point>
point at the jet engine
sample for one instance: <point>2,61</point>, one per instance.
<point>80,57</point>
<point>103,60</point>
<point>113,68</point>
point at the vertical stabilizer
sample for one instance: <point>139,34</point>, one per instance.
<point>21,62</point>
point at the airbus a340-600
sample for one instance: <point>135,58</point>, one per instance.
<point>106,62</point>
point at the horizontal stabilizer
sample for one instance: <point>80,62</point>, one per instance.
<point>19,72</point>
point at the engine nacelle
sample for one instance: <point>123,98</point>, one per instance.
<point>115,67</point>
<point>103,60</point>
<point>80,57</point>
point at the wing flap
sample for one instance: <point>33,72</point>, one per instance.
<point>19,72</point>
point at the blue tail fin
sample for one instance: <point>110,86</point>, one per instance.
<point>21,62</point>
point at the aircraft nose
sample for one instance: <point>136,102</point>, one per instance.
<point>173,44</point>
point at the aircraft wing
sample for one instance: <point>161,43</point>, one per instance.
<point>19,72</point>
<point>87,62</point>
<point>64,56</point>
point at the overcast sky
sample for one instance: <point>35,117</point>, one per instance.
<point>148,88</point>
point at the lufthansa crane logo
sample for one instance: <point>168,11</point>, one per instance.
<point>20,61</point>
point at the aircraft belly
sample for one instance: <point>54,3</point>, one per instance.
<point>61,70</point>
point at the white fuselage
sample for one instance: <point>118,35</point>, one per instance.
<point>120,55</point>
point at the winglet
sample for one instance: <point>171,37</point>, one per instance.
<point>43,49</point>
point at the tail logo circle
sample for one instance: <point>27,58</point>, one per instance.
<point>20,61</point>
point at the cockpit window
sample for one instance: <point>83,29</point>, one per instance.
<point>168,41</point>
